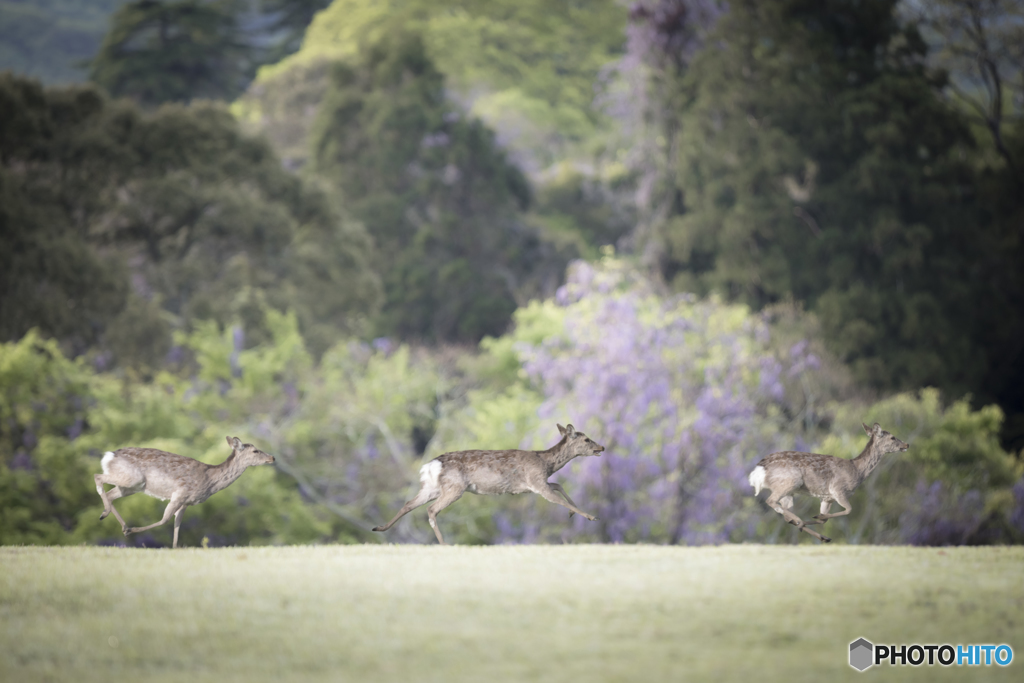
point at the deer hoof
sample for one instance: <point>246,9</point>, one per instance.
<point>128,530</point>
<point>592,518</point>
<point>377,528</point>
<point>103,515</point>
<point>826,539</point>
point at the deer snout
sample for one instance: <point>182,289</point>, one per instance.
<point>598,449</point>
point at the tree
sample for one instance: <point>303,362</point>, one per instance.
<point>815,160</point>
<point>530,69</point>
<point>981,44</point>
<point>120,225</point>
<point>174,51</point>
<point>289,19</point>
<point>50,277</point>
<point>435,191</point>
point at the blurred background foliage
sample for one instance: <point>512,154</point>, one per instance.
<point>360,234</point>
<point>717,387</point>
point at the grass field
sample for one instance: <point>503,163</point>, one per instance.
<point>511,613</point>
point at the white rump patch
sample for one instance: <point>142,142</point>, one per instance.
<point>756,479</point>
<point>430,475</point>
<point>105,462</point>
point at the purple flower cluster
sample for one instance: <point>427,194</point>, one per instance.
<point>684,394</point>
<point>1017,514</point>
<point>936,516</point>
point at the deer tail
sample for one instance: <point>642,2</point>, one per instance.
<point>430,475</point>
<point>105,462</point>
<point>756,479</point>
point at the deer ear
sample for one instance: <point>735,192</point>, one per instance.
<point>877,428</point>
<point>561,429</point>
<point>866,428</point>
<point>235,442</point>
<point>570,431</point>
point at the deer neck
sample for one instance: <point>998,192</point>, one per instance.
<point>557,457</point>
<point>868,459</point>
<point>221,476</point>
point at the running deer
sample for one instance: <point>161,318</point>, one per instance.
<point>447,477</point>
<point>183,481</point>
<point>823,476</point>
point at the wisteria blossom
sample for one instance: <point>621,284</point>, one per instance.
<point>685,394</point>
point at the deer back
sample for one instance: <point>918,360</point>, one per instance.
<point>491,472</point>
<point>816,472</point>
<point>160,474</point>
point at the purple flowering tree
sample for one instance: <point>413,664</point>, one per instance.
<point>685,394</point>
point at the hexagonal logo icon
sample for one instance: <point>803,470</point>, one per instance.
<point>861,654</point>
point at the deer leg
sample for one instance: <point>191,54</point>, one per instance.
<point>842,500</point>
<point>177,523</point>
<point>103,495</point>
<point>558,487</point>
<point>424,496</point>
<point>169,511</point>
<point>446,499</point>
<point>112,495</point>
<point>549,493</point>
<point>782,505</point>
<point>119,491</point>
<point>823,514</point>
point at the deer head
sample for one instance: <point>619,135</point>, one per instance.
<point>248,454</point>
<point>578,442</point>
<point>883,440</point>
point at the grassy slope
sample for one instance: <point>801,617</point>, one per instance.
<point>546,613</point>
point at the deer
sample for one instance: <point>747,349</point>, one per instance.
<point>181,480</point>
<point>826,477</point>
<point>444,479</point>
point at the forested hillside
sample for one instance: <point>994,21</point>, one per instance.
<point>121,226</point>
<point>825,152</point>
<point>699,230</point>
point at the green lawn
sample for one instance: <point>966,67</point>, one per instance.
<point>512,613</point>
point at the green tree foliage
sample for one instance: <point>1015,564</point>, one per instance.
<point>200,218</point>
<point>952,487</point>
<point>59,416</point>
<point>439,197</point>
<point>999,323</point>
<point>289,19</point>
<point>581,211</point>
<point>347,431</point>
<point>528,68</point>
<point>981,44</point>
<point>174,51</point>
<point>50,277</point>
<point>44,406</point>
<point>50,39</point>
<point>351,429</point>
<point>815,159</point>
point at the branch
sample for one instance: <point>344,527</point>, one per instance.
<point>807,218</point>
